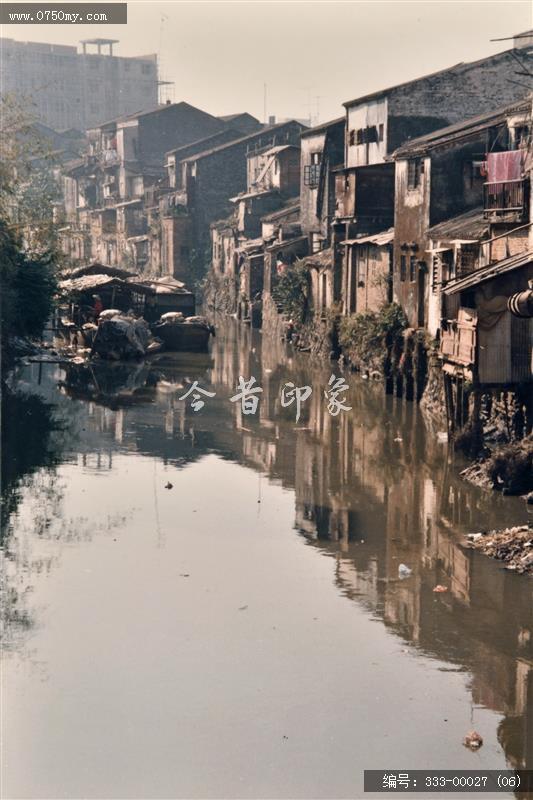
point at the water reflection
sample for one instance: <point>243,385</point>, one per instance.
<point>372,490</point>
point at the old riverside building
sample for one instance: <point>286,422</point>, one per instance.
<point>411,212</point>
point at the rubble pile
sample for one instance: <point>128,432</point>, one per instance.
<point>512,545</point>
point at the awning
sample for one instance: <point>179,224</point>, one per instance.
<point>250,246</point>
<point>128,202</point>
<point>249,195</point>
<point>90,282</point>
<point>489,272</point>
<point>385,237</point>
<point>324,258</point>
<point>286,243</point>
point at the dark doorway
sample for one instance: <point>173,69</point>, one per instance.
<point>421,294</point>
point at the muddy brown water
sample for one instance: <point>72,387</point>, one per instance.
<point>245,633</point>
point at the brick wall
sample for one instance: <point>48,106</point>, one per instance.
<point>511,244</point>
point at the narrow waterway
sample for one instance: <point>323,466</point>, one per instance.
<point>207,604</point>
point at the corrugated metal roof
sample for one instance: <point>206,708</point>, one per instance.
<point>489,272</point>
<point>385,237</point>
<point>469,225</point>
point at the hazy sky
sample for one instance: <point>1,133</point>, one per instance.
<point>312,55</point>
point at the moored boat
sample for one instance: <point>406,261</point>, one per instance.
<point>189,334</point>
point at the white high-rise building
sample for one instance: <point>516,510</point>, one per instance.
<point>66,88</point>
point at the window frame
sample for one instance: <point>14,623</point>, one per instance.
<point>415,170</point>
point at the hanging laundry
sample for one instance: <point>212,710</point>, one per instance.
<point>506,166</point>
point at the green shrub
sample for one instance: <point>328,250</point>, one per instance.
<point>291,292</point>
<point>370,331</point>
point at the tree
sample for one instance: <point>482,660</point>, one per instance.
<point>29,255</point>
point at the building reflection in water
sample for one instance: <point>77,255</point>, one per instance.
<point>373,490</point>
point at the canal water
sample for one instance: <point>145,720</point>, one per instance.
<point>210,604</point>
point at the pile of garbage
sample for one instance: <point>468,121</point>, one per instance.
<point>121,337</point>
<point>514,546</point>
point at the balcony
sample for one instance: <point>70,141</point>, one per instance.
<point>110,158</point>
<point>505,200</point>
<point>459,338</point>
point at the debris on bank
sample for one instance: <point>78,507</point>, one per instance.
<point>508,468</point>
<point>514,546</point>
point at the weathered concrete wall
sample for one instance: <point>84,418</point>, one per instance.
<point>432,102</point>
<point>463,91</point>
<point>317,204</point>
<point>411,221</point>
<point>452,188</point>
<point>367,275</point>
<point>371,114</point>
<point>176,246</point>
<point>309,193</point>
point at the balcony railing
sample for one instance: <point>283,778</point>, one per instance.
<point>504,197</point>
<point>110,157</point>
<point>458,338</point>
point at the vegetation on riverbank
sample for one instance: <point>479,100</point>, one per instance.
<point>368,337</point>
<point>291,293</point>
<point>29,252</point>
<point>508,468</point>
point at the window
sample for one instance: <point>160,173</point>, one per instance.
<point>184,251</point>
<point>312,170</point>
<point>353,278</point>
<point>435,274</point>
<point>415,169</point>
<point>381,131</point>
<point>412,268</point>
<point>362,264</point>
<point>317,242</point>
<point>324,290</point>
<point>477,169</point>
<point>359,136</point>
<point>521,136</point>
<point>403,268</point>
<point>352,138</point>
